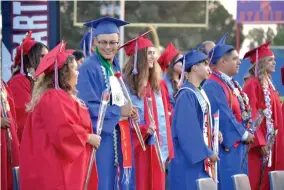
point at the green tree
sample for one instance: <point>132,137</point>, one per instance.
<point>220,21</point>
<point>279,38</point>
<point>258,36</point>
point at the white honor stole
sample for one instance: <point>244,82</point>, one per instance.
<point>207,124</point>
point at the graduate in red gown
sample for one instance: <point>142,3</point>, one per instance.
<point>172,70</point>
<point>262,94</point>
<point>143,81</point>
<point>57,140</point>
<point>26,61</point>
<point>9,139</point>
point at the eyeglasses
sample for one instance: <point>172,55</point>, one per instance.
<point>112,44</point>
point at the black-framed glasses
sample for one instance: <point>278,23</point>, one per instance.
<point>105,43</point>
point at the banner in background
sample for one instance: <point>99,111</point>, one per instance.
<point>19,17</point>
<point>260,12</point>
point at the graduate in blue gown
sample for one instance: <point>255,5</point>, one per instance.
<point>226,96</point>
<point>192,127</point>
<point>97,75</point>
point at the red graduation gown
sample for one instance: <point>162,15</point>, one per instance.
<point>167,96</point>
<point>54,152</point>
<point>21,89</point>
<point>254,91</point>
<point>6,167</point>
<point>149,175</point>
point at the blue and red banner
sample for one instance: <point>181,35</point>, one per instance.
<point>260,12</point>
<point>19,17</point>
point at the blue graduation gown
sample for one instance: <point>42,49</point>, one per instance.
<point>232,131</point>
<point>92,81</point>
<point>190,149</point>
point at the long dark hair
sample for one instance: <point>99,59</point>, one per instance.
<point>47,82</point>
<point>30,61</point>
<point>170,73</point>
<point>135,82</point>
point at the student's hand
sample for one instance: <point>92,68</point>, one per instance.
<point>151,129</point>
<point>250,139</point>
<point>264,151</point>
<point>214,157</point>
<point>5,122</point>
<point>126,110</point>
<point>220,137</point>
<point>94,140</point>
<point>134,114</point>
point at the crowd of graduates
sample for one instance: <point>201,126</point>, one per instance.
<point>74,120</point>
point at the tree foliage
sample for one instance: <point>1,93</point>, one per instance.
<point>279,38</point>
<point>220,21</point>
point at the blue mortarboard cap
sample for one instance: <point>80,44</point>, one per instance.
<point>222,40</point>
<point>105,25</point>
<point>192,58</point>
<point>86,42</point>
<point>219,50</point>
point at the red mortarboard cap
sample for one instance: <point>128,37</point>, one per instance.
<point>57,55</point>
<point>262,51</point>
<point>131,47</point>
<point>141,44</point>
<point>169,53</point>
<point>70,51</point>
<point>24,47</point>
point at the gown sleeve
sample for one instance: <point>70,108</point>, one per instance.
<point>256,97</point>
<point>21,89</point>
<point>90,86</point>
<point>187,128</point>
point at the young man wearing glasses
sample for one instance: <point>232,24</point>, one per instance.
<point>97,74</point>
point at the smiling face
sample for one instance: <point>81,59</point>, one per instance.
<point>107,45</point>
<point>151,56</point>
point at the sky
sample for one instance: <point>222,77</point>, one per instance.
<point>231,6</point>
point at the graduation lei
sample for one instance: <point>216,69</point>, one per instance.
<point>267,100</point>
<point>241,96</point>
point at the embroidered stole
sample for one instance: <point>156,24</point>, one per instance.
<point>207,126</point>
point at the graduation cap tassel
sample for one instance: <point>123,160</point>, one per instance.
<point>182,73</point>
<point>256,64</point>
<point>22,62</point>
<point>211,56</point>
<point>56,76</point>
<point>56,69</point>
<point>84,48</point>
<point>90,42</point>
<point>135,71</point>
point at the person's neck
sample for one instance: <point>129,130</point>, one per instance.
<point>110,61</point>
<point>223,71</point>
<point>195,81</point>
